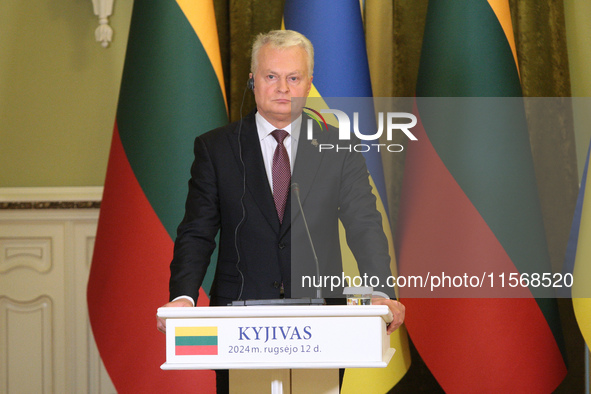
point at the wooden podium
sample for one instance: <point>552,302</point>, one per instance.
<point>278,349</point>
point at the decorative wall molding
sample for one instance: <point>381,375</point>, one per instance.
<point>51,197</point>
<point>32,253</point>
<point>103,9</point>
<point>50,205</point>
<point>35,318</point>
<point>46,343</point>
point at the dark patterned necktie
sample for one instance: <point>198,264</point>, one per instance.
<point>281,173</point>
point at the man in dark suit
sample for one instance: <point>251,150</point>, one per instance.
<point>240,183</point>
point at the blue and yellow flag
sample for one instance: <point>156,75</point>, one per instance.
<point>341,69</point>
<point>578,255</point>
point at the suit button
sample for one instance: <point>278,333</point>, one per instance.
<point>281,245</point>
<point>276,284</point>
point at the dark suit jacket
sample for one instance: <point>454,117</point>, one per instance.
<point>229,192</point>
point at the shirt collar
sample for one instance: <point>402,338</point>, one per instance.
<point>264,128</point>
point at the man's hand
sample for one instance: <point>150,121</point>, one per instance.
<point>161,323</point>
<point>397,310</point>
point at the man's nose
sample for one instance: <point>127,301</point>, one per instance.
<point>283,86</point>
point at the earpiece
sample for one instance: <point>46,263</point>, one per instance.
<point>249,85</point>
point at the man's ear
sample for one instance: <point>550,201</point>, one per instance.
<point>250,82</point>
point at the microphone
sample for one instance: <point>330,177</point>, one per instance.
<point>290,301</point>
<point>296,189</point>
<point>279,301</point>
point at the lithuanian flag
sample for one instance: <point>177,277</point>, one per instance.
<point>172,90</point>
<point>196,341</point>
<point>469,199</point>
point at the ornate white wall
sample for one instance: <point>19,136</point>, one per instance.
<point>46,243</point>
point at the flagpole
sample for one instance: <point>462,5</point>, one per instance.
<point>586,368</point>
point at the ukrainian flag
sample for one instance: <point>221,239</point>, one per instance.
<point>335,28</point>
<point>577,257</point>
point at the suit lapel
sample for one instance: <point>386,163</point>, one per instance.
<point>257,182</point>
<point>307,162</point>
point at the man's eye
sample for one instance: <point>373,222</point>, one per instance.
<point>271,76</point>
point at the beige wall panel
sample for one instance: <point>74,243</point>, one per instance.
<point>46,344</point>
<point>26,346</point>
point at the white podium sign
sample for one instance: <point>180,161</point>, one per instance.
<point>277,337</point>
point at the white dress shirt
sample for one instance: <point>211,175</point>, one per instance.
<point>269,143</point>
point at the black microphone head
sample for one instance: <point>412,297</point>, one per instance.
<point>250,83</point>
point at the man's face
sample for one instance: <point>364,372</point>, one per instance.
<point>280,75</point>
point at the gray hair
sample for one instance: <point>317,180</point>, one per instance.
<point>281,39</point>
